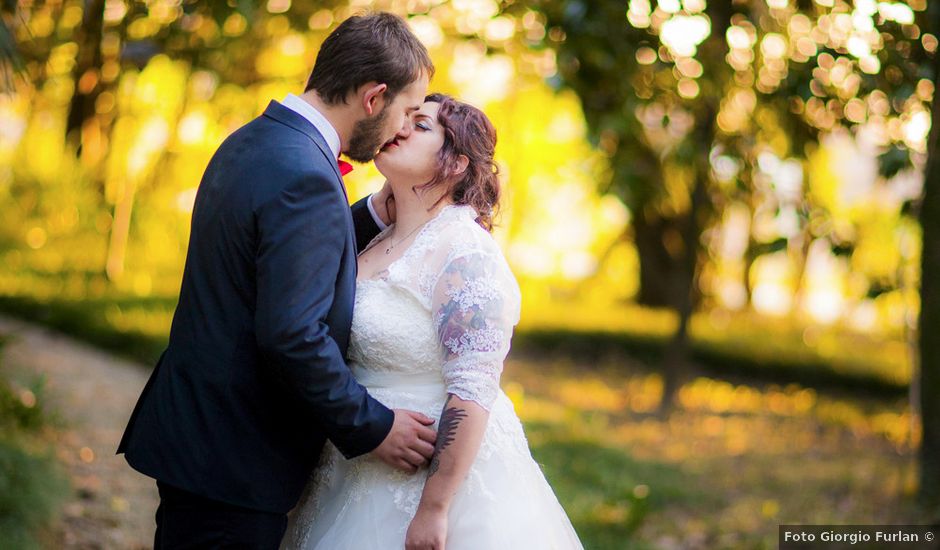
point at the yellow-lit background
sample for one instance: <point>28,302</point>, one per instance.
<point>808,279</point>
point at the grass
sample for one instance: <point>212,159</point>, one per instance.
<point>725,469</point>
<point>31,484</point>
<point>605,490</point>
<point>773,430</point>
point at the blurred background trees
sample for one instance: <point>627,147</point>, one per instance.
<point>735,185</point>
<point>718,91</point>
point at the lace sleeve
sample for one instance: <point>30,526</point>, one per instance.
<point>475,301</point>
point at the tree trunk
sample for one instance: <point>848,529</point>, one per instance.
<point>655,262</point>
<point>685,278</point>
<point>87,73</point>
<point>641,178</point>
<point>929,323</point>
<point>750,256</point>
<point>683,283</point>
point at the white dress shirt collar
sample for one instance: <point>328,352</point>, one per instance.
<point>309,112</point>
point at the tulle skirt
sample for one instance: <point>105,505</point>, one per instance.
<point>363,504</point>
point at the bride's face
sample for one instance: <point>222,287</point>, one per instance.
<point>412,157</point>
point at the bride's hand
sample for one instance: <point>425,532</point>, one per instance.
<point>428,530</point>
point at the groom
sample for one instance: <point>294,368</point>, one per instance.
<point>253,381</point>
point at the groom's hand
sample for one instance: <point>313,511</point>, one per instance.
<point>410,443</point>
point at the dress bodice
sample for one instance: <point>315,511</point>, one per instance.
<point>392,331</point>
<point>443,312</point>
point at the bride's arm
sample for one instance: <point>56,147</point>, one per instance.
<point>459,436</point>
<point>476,304</point>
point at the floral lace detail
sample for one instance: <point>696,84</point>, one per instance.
<point>320,481</point>
<point>471,379</point>
<point>477,292</point>
<point>485,339</point>
<point>454,274</point>
<point>426,279</point>
<point>409,270</point>
<point>474,314</point>
<point>392,331</point>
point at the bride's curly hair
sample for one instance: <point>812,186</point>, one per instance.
<point>468,132</point>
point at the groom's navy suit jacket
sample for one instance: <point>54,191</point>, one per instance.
<point>254,379</point>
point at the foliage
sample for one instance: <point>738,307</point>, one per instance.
<point>31,483</point>
<point>31,488</point>
<point>766,82</point>
<point>19,411</point>
<point>9,57</point>
<point>120,205</point>
<point>779,111</point>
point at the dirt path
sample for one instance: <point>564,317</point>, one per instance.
<point>111,505</point>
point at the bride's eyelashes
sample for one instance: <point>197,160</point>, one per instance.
<point>423,123</point>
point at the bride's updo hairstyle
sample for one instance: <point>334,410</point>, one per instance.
<point>467,131</point>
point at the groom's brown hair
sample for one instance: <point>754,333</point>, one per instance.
<point>377,47</point>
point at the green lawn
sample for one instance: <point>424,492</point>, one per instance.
<point>31,483</point>
<point>731,463</point>
<point>791,440</point>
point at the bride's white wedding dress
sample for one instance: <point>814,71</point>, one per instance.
<point>408,358</point>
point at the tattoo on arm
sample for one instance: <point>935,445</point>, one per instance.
<point>473,304</point>
<point>450,419</point>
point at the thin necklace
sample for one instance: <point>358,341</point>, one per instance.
<point>389,248</point>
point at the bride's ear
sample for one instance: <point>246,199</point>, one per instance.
<point>462,163</point>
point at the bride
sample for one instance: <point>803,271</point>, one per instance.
<point>434,312</point>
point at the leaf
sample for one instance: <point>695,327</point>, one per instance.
<point>769,248</point>
<point>9,56</point>
<point>842,249</point>
<point>894,160</point>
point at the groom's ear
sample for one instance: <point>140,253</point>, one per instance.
<point>462,163</point>
<point>373,98</point>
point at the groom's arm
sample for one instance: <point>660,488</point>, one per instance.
<point>370,216</point>
<point>301,234</point>
<point>366,225</point>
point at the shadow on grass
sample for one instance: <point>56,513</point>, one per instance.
<point>733,360</point>
<point>729,362</point>
<point>607,493</point>
<point>88,321</point>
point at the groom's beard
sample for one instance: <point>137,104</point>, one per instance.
<point>367,137</point>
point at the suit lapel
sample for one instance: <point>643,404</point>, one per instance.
<point>294,120</point>
<point>290,118</point>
